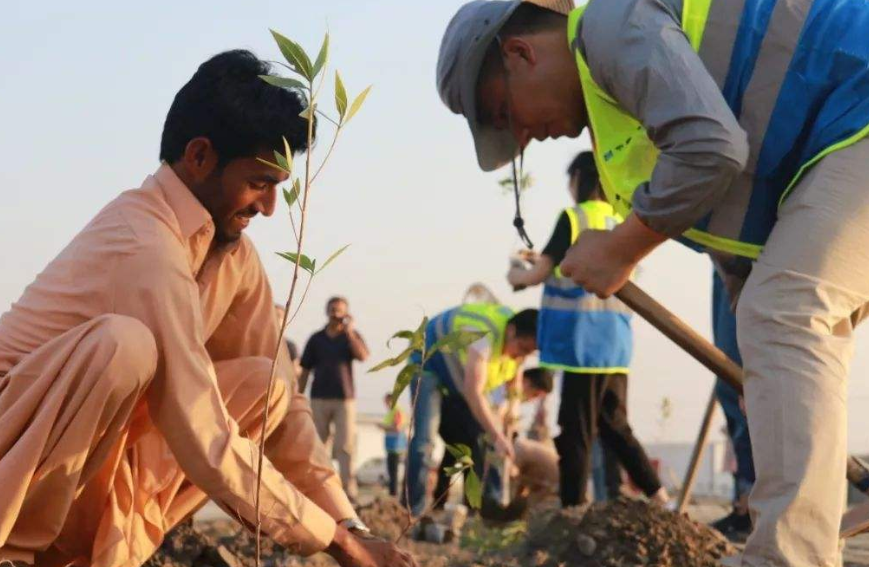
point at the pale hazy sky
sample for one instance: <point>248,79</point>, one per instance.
<point>85,90</point>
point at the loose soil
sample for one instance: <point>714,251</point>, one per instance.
<point>624,533</point>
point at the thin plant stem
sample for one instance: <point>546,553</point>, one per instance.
<point>329,153</point>
<point>301,301</point>
<point>411,424</point>
<point>327,117</point>
<point>279,342</point>
<point>293,224</point>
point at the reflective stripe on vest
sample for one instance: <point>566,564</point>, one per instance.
<point>579,332</point>
<point>822,107</point>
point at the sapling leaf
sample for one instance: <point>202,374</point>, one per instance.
<point>473,490</point>
<point>332,257</point>
<point>465,450</point>
<point>454,342</point>
<point>459,451</point>
<point>393,361</point>
<point>454,451</point>
<point>277,166</point>
<point>340,97</point>
<point>405,354</point>
<point>281,161</point>
<point>288,154</point>
<point>453,470</point>
<point>357,103</point>
<point>401,335</point>
<point>384,364</point>
<point>284,82</point>
<point>305,263</point>
<point>419,334</point>
<point>295,55</point>
<point>291,196</point>
<point>322,57</point>
<point>403,381</point>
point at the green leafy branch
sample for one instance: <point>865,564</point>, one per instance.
<point>450,343</point>
<point>465,462</point>
<point>308,79</point>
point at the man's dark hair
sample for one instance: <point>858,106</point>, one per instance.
<point>525,323</point>
<point>589,180</point>
<point>337,299</point>
<point>526,19</point>
<point>227,102</point>
<point>540,378</point>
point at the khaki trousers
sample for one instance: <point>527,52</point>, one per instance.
<point>795,322</point>
<point>85,478</point>
<point>342,415</point>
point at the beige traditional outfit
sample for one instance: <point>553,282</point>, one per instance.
<point>132,378</point>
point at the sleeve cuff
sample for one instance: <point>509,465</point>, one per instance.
<point>313,532</point>
<point>332,499</point>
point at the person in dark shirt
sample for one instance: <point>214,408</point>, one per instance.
<point>590,340</point>
<point>330,353</point>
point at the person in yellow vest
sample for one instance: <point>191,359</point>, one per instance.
<point>394,440</point>
<point>592,342</point>
<point>738,127</point>
<point>450,398</point>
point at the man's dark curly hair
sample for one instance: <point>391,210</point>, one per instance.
<point>227,102</point>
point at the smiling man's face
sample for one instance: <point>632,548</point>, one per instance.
<point>240,190</point>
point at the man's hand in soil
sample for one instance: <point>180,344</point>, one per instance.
<point>350,550</point>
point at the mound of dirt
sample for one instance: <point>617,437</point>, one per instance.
<point>385,517</point>
<point>624,533</point>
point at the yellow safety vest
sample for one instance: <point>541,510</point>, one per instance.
<point>491,319</point>
<point>624,154</point>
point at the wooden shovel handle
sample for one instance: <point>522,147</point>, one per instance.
<point>680,333</point>
<point>856,520</point>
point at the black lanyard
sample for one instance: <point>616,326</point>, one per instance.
<point>518,221</point>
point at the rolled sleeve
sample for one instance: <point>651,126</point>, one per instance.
<point>638,53</point>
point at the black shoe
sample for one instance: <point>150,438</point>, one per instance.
<point>736,526</point>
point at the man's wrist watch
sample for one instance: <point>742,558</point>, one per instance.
<point>356,526</point>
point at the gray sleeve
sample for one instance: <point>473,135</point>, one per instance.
<point>638,53</point>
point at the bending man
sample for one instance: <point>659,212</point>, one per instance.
<point>739,128</point>
<point>463,413</point>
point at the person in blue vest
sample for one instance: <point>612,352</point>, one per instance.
<point>738,127</point>
<point>451,397</point>
<point>591,341</point>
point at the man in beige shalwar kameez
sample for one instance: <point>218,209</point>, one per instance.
<point>133,370</point>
